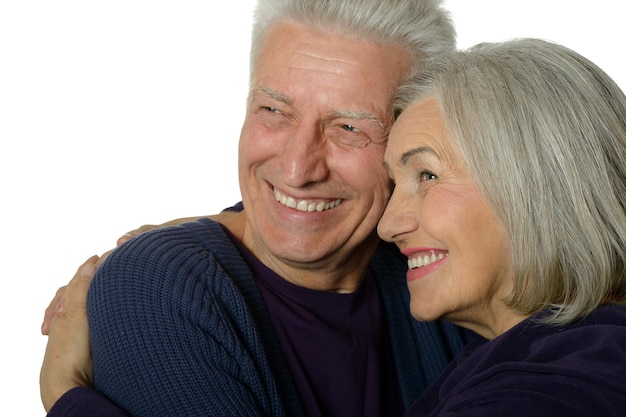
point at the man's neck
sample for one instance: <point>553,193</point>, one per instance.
<point>338,273</point>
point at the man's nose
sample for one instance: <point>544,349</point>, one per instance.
<point>304,158</point>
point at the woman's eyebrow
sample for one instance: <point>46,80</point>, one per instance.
<point>412,153</point>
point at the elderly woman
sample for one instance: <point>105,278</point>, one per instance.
<point>509,164</point>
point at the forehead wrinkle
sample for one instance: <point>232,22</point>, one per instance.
<point>311,56</point>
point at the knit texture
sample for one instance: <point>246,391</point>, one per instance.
<point>178,328</point>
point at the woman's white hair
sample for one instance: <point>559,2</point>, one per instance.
<point>543,131</point>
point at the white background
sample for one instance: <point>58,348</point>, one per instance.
<point>120,113</point>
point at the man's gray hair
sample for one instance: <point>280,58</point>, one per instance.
<point>421,27</point>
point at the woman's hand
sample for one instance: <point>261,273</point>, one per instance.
<point>67,361</point>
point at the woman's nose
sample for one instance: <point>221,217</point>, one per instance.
<point>399,218</point>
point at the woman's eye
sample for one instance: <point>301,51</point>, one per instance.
<point>426,176</point>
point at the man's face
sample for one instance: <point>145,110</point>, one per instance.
<point>312,145</point>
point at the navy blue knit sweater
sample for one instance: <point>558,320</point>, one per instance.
<point>179,328</point>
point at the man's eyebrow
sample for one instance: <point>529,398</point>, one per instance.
<point>348,114</point>
<point>358,115</point>
<point>411,153</point>
<point>271,94</point>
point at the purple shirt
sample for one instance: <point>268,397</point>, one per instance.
<point>336,345</point>
<point>535,370</point>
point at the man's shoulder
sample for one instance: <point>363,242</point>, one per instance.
<point>175,264</point>
<point>168,251</point>
<point>202,232</point>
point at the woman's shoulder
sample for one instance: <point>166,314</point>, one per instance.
<point>535,367</point>
<point>591,349</point>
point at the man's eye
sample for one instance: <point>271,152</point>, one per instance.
<point>426,176</point>
<point>348,136</point>
<point>271,109</point>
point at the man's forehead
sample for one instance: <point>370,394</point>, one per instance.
<point>334,113</point>
<point>297,50</point>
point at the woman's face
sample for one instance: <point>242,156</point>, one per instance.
<point>457,248</point>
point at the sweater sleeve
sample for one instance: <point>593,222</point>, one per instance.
<point>171,334</point>
<point>82,402</point>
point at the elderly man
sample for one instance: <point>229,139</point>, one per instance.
<point>289,305</point>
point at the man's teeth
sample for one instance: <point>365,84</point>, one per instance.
<point>304,205</point>
<point>420,261</point>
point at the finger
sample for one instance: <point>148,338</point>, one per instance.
<point>57,305</point>
<point>67,359</point>
<point>103,257</point>
<point>123,239</point>
<point>129,235</point>
<point>50,311</point>
<point>75,294</point>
